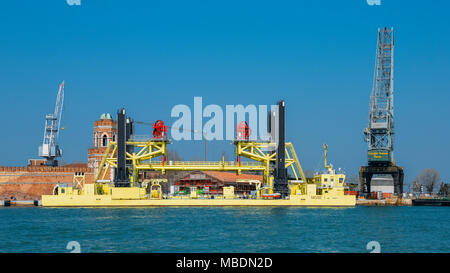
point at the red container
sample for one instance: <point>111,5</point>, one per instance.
<point>374,195</point>
<point>387,195</point>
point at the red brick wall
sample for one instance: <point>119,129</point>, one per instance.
<point>25,191</point>
<point>30,183</point>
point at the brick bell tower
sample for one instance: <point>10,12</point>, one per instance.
<point>105,130</point>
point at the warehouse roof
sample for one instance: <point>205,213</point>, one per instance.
<point>232,176</point>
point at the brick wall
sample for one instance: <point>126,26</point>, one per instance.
<point>30,183</point>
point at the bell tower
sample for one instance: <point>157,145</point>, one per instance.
<point>105,131</point>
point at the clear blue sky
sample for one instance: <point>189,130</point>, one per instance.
<point>150,55</point>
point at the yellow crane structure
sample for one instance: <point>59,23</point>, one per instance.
<point>143,159</point>
<point>272,157</point>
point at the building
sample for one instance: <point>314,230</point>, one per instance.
<point>31,182</point>
<point>105,130</point>
<point>37,179</point>
<point>214,181</point>
<point>382,183</point>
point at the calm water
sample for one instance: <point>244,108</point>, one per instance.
<point>239,229</point>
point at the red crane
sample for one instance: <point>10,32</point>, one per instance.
<point>243,131</point>
<point>159,130</point>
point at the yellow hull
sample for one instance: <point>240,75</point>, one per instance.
<point>107,201</point>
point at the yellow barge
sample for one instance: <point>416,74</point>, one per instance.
<point>128,157</point>
<point>110,201</point>
<point>326,189</point>
<point>104,195</point>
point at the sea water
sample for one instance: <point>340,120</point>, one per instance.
<point>225,229</point>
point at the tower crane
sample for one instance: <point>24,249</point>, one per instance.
<point>49,149</point>
<point>379,133</point>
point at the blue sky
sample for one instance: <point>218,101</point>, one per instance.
<point>148,56</point>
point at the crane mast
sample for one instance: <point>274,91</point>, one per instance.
<point>380,131</point>
<point>49,149</point>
